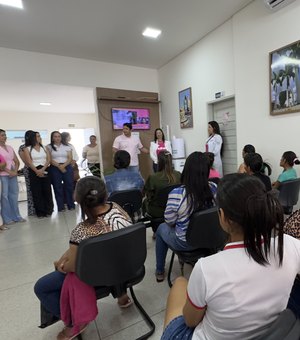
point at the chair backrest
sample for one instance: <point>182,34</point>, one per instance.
<point>112,258</point>
<point>129,200</point>
<point>163,194</point>
<point>289,192</point>
<point>204,230</point>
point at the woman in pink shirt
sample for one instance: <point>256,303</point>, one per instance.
<point>10,190</point>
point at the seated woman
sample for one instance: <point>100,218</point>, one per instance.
<point>164,177</point>
<point>102,217</point>
<point>246,150</point>
<point>287,161</point>
<point>195,193</point>
<point>213,173</point>
<point>123,178</point>
<point>228,295</point>
<point>254,165</point>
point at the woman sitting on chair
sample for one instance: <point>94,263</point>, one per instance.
<point>102,217</point>
<point>287,161</point>
<point>228,295</point>
<point>195,194</point>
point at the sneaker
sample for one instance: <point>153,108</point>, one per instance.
<point>160,277</point>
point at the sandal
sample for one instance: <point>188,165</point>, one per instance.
<point>67,334</point>
<point>160,277</point>
<point>126,304</point>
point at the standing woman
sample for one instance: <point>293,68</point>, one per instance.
<point>30,204</point>
<point>10,190</point>
<point>91,153</point>
<point>38,160</point>
<point>158,145</point>
<point>214,144</point>
<point>60,171</point>
<point>65,139</point>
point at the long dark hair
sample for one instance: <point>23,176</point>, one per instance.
<point>165,165</point>
<point>163,135</point>
<point>258,213</point>
<point>29,134</point>
<point>256,163</point>
<point>51,140</point>
<point>195,179</point>
<point>216,129</point>
<point>291,158</point>
<point>90,192</point>
<point>249,148</point>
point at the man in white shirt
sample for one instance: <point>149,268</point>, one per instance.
<point>131,144</point>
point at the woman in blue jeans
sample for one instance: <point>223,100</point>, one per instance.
<point>196,193</point>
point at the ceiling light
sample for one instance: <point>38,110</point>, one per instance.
<point>151,32</point>
<point>12,3</point>
<point>45,104</point>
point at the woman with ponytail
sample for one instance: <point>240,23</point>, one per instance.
<point>102,217</point>
<point>287,161</point>
<point>239,292</point>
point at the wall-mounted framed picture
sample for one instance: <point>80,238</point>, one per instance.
<point>185,108</point>
<point>285,79</point>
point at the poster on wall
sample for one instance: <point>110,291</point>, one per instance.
<point>285,79</point>
<point>185,108</point>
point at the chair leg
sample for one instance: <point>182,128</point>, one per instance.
<point>181,266</point>
<point>170,270</point>
<point>145,315</point>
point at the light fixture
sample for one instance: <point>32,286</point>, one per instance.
<point>12,3</point>
<point>151,33</point>
<point>45,104</point>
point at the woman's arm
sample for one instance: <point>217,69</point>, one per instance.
<point>216,144</point>
<point>192,315</point>
<point>68,161</point>
<point>276,185</point>
<point>153,148</point>
<point>173,204</point>
<point>67,262</point>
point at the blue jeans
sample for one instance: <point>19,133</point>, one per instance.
<point>48,289</point>
<point>177,329</point>
<point>63,186</point>
<point>9,199</point>
<point>165,239</point>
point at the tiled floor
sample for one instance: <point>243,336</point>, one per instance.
<point>27,252</point>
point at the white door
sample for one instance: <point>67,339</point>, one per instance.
<point>224,114</point>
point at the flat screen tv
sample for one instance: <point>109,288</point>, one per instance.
<point>139,118</point>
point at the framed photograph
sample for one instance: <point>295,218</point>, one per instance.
<point>285,79</point>
<point>185,108</point>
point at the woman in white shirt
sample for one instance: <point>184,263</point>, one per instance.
<point>239,292</point>
<point>37,159</point>
<point>61,171</point>
<point>159,144</point>
<point>214,144</point>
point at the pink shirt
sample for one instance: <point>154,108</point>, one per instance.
<point>161,147</point>
<point>130,144</point>
<point>8,156</point>
<point>213,174</point>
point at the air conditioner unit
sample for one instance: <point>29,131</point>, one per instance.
<point>275,5</point>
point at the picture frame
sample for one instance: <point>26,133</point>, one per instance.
<point>185,108</point>
<point>285,79</point>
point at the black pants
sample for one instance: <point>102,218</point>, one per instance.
<point>41,194</point>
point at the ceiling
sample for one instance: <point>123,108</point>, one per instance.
<point>107,30</point>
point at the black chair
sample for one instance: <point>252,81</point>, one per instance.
<point>129,200</point>
<point>289,194</point>
<point>205,235</point>
<point>113,262</point>
<point>161,199</point>
<point>285,327</point>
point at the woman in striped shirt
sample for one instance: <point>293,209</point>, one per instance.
<point>195,193</point>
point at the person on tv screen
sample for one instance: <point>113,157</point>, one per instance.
<point>131,144</point>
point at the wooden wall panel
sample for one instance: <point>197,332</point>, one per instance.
<point>108,98</point>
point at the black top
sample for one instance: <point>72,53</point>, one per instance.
<point>265,179</point>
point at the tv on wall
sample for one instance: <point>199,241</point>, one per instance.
<point>139,118</point>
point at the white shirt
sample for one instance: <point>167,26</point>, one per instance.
<point>243,297</point>
<point>130,144</point>
<point>37,157</point>
<point>153,149</point>
<point>61,153</point>
<point>91,154</point>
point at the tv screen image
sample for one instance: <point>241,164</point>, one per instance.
<point>139,118</point>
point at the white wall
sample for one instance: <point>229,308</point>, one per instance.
<point>207,67</point>
<point>37,67</point>
<point>234,59</point>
